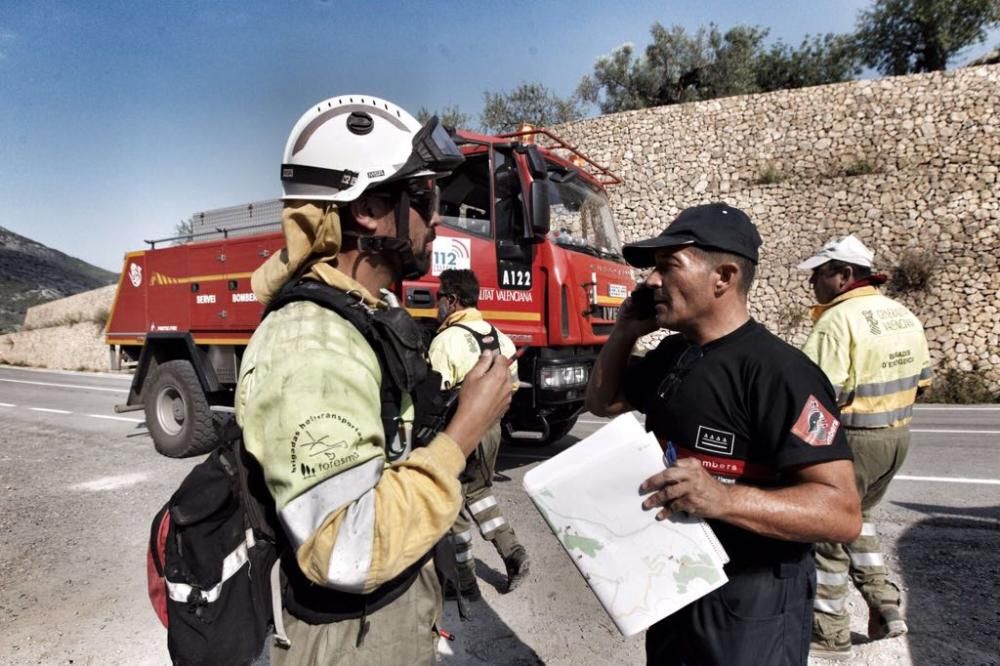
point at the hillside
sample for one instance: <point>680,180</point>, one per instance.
<point>31,273</point>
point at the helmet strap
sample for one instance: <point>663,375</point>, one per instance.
<point>400,245</point>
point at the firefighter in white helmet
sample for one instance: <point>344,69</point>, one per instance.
<point>326,384</point>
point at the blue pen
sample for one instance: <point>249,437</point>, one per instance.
<point>669,454</point>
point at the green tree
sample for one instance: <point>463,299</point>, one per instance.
<point>907,36</point>
<point>183,232</point>
<point>449,115</point>
<point>818,60</point>
<point>678,66</point>
<point>527,103</point>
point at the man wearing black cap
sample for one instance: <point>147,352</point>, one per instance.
<point>756,433</point>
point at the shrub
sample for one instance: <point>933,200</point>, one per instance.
<point>101,317</point>
<point>960,387</point>
<point>913,273</point>
<point>769,175</point>
<point>859,167</point>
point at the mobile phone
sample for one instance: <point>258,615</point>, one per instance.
<point>643,303</point>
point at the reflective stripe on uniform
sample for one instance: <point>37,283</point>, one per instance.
<point>463,555</point>
<point>482,505</point>
<point>867,559</point>
<point>886,388</point>
<point>232,563</point>
<point>868,529</point>
<point>926,373</point>
<point>491,525</point>
<point>851,419</point>
<point>828,578</point>
<point>351,557</point>
<point>835,606</point>
<point>304,514</point>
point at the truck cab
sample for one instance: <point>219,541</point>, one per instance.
<point>526,212</point>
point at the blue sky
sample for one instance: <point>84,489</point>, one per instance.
<point>119,119</point>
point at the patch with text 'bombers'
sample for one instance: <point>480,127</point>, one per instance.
<point>815,426</point>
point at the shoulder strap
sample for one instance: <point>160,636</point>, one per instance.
<point>487,341</point>
<point>359,316</point>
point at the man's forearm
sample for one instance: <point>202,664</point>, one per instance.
<point>807,512</point>
<point>605,395</point>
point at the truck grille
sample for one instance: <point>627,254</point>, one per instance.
<point>606,312</point>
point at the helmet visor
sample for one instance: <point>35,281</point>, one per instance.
<point>434,151</point>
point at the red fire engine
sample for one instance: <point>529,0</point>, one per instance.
<point>526,211</point>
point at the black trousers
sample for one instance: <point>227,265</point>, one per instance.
<point>761,616</point>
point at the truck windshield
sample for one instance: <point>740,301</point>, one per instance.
<point>581,217</point>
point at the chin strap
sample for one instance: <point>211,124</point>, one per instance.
<point>400,245</point>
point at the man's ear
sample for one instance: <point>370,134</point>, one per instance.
<point>726,276</point>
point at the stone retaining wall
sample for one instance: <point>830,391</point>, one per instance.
<point>71,347</point>
<point>93,305</point>
<point>908,164</point>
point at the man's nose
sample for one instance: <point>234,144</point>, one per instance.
<point>654,280</point>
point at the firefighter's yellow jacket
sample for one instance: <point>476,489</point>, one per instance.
<point>874,351</point>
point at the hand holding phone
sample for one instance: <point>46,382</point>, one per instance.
<point>643,304</point>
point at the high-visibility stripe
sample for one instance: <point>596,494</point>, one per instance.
<point>463,555</point>
<point>230,565</point>
<point>482,505</point>
<point>926,373</point>
<point>491,526</point>
<point>851,419</point>
<point>351,557</point>
<point>490,315</point>
<point>867,560</point>
<point>828,578</point>
<point>868,529</point>
<point>304,514</point>
<point>159,279</point>
<point>835,606</point>
<point>609,300</point>
<point>222,341</point>
<point>887,388</point>
<point>462,537</point>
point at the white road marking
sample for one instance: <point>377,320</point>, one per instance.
<point>6,404</point>
<point>110,482</point>
<point>49,411</point>
<point>956,432</point>
<point>71,386</point>
<point>947,479</point>
<point>114,418</point>
<point>957,408</point>
<point>73,373</point>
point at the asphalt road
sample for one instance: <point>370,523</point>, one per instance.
<point>78,494</point>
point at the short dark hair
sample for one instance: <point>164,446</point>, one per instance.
<point>747,268</point>
<point>858,272</point>
<point>462,284</point>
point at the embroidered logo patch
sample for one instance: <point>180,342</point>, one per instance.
<point>815,425</point>
<point>715,441</point>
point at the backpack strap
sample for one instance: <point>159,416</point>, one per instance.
<point>488,341</point>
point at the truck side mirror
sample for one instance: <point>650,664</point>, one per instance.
<point>540,209</point>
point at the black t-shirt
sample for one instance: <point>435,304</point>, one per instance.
<point>750,407</point>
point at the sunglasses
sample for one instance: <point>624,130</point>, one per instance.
<point>423,199</point>
<point>672,381</point>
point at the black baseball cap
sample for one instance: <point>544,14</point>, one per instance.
<point>714,226</point>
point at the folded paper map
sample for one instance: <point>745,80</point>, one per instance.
<point>641,569</point>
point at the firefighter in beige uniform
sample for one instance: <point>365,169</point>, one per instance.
<point>359,510</point>
<point>875,354</point>
<point>453,352</point>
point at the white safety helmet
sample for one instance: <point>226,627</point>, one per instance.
<point>348,144</point>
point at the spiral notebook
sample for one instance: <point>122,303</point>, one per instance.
<point>640,569</point>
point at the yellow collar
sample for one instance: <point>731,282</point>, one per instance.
<point>468,314</point>
<point>816,311</point>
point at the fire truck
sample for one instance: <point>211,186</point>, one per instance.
<point>527,212</point>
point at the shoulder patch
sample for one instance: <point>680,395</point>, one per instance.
<point>815,426</point>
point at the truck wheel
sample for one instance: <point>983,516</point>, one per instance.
<point>177,413</point>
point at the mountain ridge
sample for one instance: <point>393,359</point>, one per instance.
<point>32,273</point>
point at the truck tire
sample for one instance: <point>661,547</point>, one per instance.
<point>177,413</point>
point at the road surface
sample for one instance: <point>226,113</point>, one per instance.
<point>79,492</point>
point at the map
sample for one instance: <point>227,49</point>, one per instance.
<point>641,570</point>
